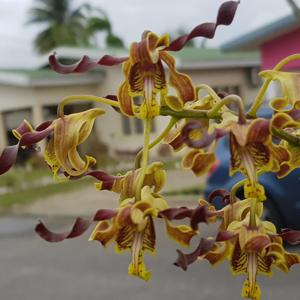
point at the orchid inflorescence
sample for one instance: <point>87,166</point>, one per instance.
<point>196,123</point>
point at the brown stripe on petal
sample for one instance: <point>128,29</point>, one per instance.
<point>125,100</point>
<point>239,260</point>
<point>136,80</point>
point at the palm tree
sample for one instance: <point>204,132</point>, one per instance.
<point>64,25</point>
<point>100,22</point>
<point>69,26</point>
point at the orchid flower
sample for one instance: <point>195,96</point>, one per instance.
<point>61,154</point>
<point>250,245</point>
<point>290,87</point>
<point>131,225</point>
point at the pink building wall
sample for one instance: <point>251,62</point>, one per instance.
<point>278,48</point>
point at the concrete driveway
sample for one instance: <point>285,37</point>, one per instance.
<point>32,269</point>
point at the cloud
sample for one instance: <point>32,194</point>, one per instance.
<point>131,17</point>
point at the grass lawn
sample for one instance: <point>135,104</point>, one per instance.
<point>18,194</point>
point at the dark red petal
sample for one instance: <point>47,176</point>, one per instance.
<point>106,179</point>
<point>8,158</point>
<point>290,236</point>
<point>177,142</point>
<point>225,17</point>
<point>184,260</point>
<point>34,137</point>
<point>80,227</point>
<point>225,235</point>
<point>176,213</point>
<point>223,194</point>
<point>199,215</point>
<point>84,64</point>
<point>203,142</point>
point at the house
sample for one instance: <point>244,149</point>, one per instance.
<point>274,41</point>
<point>34,94</point>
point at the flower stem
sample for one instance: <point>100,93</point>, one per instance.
<point>144,163</point>
<point>186,113</point>
<point>228,99</point>
<point>252,222</point>
<point>67,100</point>
<point>138,157</point>
<point>291,139</point>
<point>259,98</point>
<point>209,91</point>
<point>235,189</point>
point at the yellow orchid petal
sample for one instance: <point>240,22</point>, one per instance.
<point>182,234</point>
<point>290,86</point>
<point>104,232</point>
<point>142,241</point>
<point>219,252</point>
<point>155,201</point>
<point>252,292</point>
<point>69,132</point>
<point>51,159</point>
<point>199,161</point>
<point>181,82</point>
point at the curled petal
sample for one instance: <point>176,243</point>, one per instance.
<point>225,17</point>
<point>184,260</point>
<point>289,82</point>
<point>79,227</point>
<point>84,64</point>
<point>199,161</point>
<point>176,213</point>
<point>181,82</point>
<point>28,137</point>
<point>106,180</point>
<point>205,140</point>
<point>223,194</point>
<point>200,215</point>
<point>291,236</point>
<point>181,234</point>
<point>8,158</point>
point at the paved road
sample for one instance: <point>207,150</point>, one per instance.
<point>32,269</point>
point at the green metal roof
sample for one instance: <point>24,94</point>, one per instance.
<point>213,54</point>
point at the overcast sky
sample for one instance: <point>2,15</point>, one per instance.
<point>131,17</point>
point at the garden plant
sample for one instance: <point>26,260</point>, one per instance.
<point>198,118</point>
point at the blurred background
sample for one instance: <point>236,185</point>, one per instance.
<point>263,32</point>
